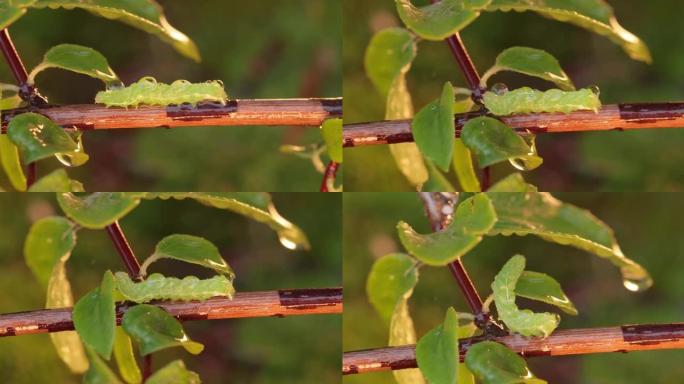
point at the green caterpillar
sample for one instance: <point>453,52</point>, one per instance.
<point>148,91</point>
<point>528,100</point>
<point>159,287</point>
<point>524,322</point>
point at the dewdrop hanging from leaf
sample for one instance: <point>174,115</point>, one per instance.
<point>148,91</point>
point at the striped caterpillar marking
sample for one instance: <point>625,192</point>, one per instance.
<point>159,287</point>
<point>528,100</point>
<point>524,322</point>
<point>148,91</point>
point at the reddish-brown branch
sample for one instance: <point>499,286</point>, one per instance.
<point>306,112</point>
<point>245,304</point>
<point>329,176</point>
<point>124,250</point>
<point>12,57</point>
<point>624,338</point>
<point>610,117</point>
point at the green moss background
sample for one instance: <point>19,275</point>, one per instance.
<point>261,350</point>
<point>643,160</point>
<point>259,49</point>
<point>647,227</point>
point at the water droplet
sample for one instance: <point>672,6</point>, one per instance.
<point>499,89</point>
<point>637,285</point>
<point>635,278</point>
<point>518,163</point>
<point>595,90</point>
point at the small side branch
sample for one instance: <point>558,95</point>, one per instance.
<point>610,117</point>
<point>304,112</point>
<point>328,183</point>
<point>624,338</point>
<point>279,303</point>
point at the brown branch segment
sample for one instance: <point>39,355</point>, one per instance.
<point>306,112</point>
<point>615,116</point>
<point>279,303</point>
<point>624,338</point>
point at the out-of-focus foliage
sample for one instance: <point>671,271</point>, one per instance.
<point>647,226</point>
<point>259,49</point>
<point>581,161</point>
<point>261,350</point>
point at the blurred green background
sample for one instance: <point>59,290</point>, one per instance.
<point>645,160</point>
<point>647,226</point>
<point>259,49</point>
<point>298,349</point>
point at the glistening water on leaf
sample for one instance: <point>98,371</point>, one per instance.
<point>79,59</point>
<point>532,62</point>
<point>149,92</point>
<point>540,214</point>
<point>154,330</point>
<point>191,249</point>
<point>96,210</point>
<point>434,130</point>
<point>524,322</point>
<point>437,351</point>
<point>493,142</point>
<point>94,317</point>
<point>160,287</point>
<point>439,20</point>
<point>474,218</point>
<point>494,363</point>
<point>528,100</point>
<point>38,137</point>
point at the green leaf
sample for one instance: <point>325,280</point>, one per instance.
<point>464,374</point>
<point>402,332</point>
<point>191,249</point>
<point>524,322</point>
<point>542,287</point>
<point>407,156</point>
<point>493,141</point>
<point>434,130</point>
<point>332,135</point>
<point>96,210</point>
<point>437,351</point>
<point>594,15</point>
<point>99,372</point>
<point>474,217</point>
<point>95,317</point>
<point>9,13</point>
<point>439,20</point>
<point>437,181</point>
<point>540,214</point>
<point>154,329</point>
<point>174,372</point>
<point>49,240</point>
<point>389,55</point>
<point>463,165</point>
<point>254,205</point>
<point>37,137</point>
<point>79,59</point>
<point>9,156</point>
<point>125,359</point>
<point>146,15</point>
<point>532,62</point>
<point>494,363</point>
<point>512,183</point>
<point>67,344</point>
<point>391,279</point>
<point>56,181</point>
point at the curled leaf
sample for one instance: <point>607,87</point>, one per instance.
<point>441,19</point>
<point>532,62</point>
<point>191,249</point>
<point>79,59</point>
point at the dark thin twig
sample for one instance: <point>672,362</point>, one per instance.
<point>147,367</point>
<point>329,176</point>
<point>124,250</point>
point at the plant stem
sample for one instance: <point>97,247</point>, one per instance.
<point>124,249</point>
<point>624,338</point>
<point>281,303</point>
<point>272,112</point>
<point>610,117</point>
<point>329,176</point>
<point>147,367</point>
